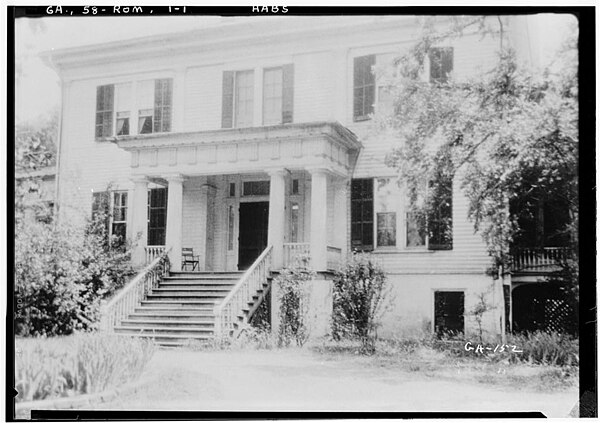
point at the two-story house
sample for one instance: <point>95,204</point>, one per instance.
<point>240,146</point>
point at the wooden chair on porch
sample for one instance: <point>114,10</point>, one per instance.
<point>189,259</point>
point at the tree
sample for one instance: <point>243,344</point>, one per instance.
<point>35,149</point>
<point>507,132</point>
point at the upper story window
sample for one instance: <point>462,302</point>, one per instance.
<point>244,99</point>
<point>238,105</point>
<point>441,64</point>
<point>364,87</point>
<point>272,96</point>
<point>153,103</point>
<point>123,108</point>
<point>104,110</point>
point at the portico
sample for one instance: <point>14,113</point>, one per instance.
<point>299,172</point>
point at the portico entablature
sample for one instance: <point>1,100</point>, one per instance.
<point>326,145</point>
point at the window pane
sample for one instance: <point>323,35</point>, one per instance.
<point>244,98</point>
<point>362,214</point>
<point>272,96</point>
<point>230,228</point>
<point>256,188</point>
<point>294,221</point>
<point>415,230</point>
<point>386,229</point>
<point>123,97</point>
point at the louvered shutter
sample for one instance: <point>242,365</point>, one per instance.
<point>287,106</point>
<point>227,106</point>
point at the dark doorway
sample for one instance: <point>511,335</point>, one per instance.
<point>449,312</point>
<point>542,307</point>
<point>254,224</point>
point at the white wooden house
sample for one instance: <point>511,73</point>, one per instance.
<point>248,142</point>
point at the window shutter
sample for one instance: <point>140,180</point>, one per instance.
<point>287,106</point>
<point>163,99</point>
<point>447,62</point>
<point>227,107</point>
<point>104,110</point>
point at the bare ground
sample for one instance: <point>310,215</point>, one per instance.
<point>295,380</point>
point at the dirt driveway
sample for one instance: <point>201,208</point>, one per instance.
<point>304,380</point>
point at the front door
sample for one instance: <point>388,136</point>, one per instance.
<point>254,223</point>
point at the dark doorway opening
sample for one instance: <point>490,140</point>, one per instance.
<point>449,312</point>
<point>254,224</point>
<point>542,307</point>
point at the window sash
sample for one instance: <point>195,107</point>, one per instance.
<point>362,214</point>
<point>244,99</point>
<point>364,86</point>
<point>386,229</point>
<point>272,96</point>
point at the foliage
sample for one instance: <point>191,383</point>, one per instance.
<point>359,289</point>
<point>35,149</point>
<point>481,307</point>
<point>507,131</point>
<point>546,348</point>
<point>62,274</point>
<point>79,364</point>
<point>35,144</point>
<point>293,296</point>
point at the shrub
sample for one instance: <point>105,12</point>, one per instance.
<point>293,296</point>
<point>358,293</point>
<point>62,274</point>
<point>79,364</point>
<point>548,348</point>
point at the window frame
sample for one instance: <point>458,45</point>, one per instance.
<point>366,84</point>
<point>444,76</point>
<point>362,222</point>
<point>113,208</point>
<point>235,111</point>
<point>264,96</point>
<point>104,112</point>
<point>463,291</point>
<point>149,215</point>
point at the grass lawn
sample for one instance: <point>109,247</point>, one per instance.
<point>320,379</point>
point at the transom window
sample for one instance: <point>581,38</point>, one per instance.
<point>256,188</point>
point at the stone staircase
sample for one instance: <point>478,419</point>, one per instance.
<point>181,308</point>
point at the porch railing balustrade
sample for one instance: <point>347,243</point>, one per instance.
<point>293,250</point>
<point>131,296</point>
<point>538,259</point>
<point>153,251</point>
<point>240,297</point>
<point>334,257</point>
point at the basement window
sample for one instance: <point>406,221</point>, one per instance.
<point>449,312</point>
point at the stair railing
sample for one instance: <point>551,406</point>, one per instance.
<point>137,290</point>
<point>227,312</point>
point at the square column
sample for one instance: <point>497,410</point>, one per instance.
<point>139,221</point>
<point>277,216</point>
<point>174,220</point>
<point>318,219</point>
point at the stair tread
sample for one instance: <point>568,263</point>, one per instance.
<point>151,329</point>
<point>173,321</point>
<point>166,335</point>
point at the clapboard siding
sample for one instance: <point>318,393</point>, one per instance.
<point>203,98</point>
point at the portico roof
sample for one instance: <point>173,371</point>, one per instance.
<point>327,145</point>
